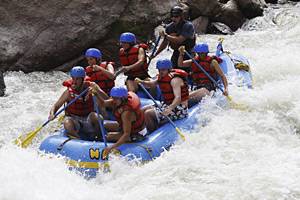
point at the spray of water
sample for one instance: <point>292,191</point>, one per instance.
<point>237,154</point>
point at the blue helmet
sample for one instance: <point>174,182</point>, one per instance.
<point>201,48</point>
<point>93,52</point>
<point>119,92</point>
<point>77,72</point>
<point>164,64</point>
<point>128,37</point>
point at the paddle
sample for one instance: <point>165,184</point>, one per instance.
<point>151,56</point>
<point>235,105</point>
<point>168,118</point>
<point>25,140</point>
<point>106,167</point>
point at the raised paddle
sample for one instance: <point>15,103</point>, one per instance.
<point>106,167</point>
<point>159,107</point>
<point>26,139</point>
<point>231,102</point>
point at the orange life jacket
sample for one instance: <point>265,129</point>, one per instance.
<point>104,82</point>
<point>166,87</point>
<point>130,57</point>
<point>84,105</point>
<point>132,105</point>
<point>199,78</point>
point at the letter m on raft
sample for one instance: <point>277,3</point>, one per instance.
<point>94,153</point>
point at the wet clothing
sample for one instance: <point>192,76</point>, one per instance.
<point>200,79</point>
<point>104,82</point>
<point>179,112</point>
<point>86,131</point>
<point>187,30</point>
<point>84,105</point>
<point>133,104</point>
<point>167,89</point>
<point>129,57</point>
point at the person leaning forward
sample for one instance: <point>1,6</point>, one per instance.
<point>80,121</point>
<point>179,32</point>
<point>130,125</point>
<point>175,92</point>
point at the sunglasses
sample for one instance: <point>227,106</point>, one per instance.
<point>175,16</point>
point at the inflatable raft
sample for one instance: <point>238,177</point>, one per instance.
<point>85,156</point>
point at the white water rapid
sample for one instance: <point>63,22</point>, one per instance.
<point>238,154</point>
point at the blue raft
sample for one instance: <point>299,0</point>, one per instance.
<point>85,156</point>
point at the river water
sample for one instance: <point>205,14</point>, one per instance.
<point>251,154</point>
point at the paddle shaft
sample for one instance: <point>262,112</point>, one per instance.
<point>150,96</point>
<point>100,123</point>
<point>154,48</point>
<point>205,72</point>
<point>64,108</point>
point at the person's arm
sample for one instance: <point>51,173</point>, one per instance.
<point>127,118</point>
<point>175,39</point>
<point>140,62</point>
<point>180,62</point>
<point>216,66</point>
<point>176,85</point>
<point>62,99</point>
<point>109,72</point>
<point>102,97</point>
<point>148,83</point>
<point>188,31</point>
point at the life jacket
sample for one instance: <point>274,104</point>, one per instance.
<point>198,76</point>
<point>133,104</point>
<point>130,57</point>
<point>166,87</point>
<point>81,107</point>
<point>104,82</point>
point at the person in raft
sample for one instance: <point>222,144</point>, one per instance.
<point>130,120</point>
<point>179,32</point>
<point>100,72</point>
<point>175,92</point>
<point>133,60</point>
<point>201,82</point>
<point>80,121</point>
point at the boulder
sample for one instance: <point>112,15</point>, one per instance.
<point>2,84</point>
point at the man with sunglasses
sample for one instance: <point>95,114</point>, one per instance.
<point>179,32</point>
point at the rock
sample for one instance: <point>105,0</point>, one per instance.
<point>2,84</point>
<point>272,1</point>
<point>251,8</point>
<point>201,24</point>
<point>219,28</point>
<point>42,35</point>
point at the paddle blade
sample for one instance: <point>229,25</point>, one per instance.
<point>236,105</point>
<point>106,167</point>
<point>180,133</point>
<point>25,140</point>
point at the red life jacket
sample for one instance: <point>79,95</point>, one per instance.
<point>166,87</point>
<point>130,57</point>
<point>133,105</point>
<point>104,82</point>
<point>199,78</point>
<point>81,107</point>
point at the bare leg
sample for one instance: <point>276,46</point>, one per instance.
<point>196,96</point>
<point>151,120</point>
<point>69,125</point>
<point>112,126</point>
